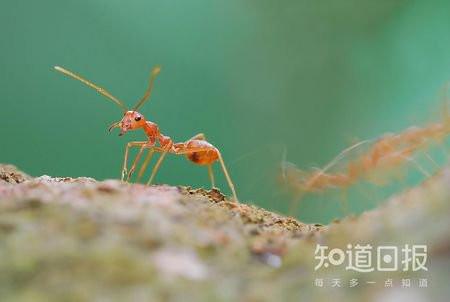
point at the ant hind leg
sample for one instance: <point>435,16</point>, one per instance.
<point>211,176</point>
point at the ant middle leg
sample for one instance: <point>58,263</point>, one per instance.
<point>146,161</point>
<point>158,163</point>
<point>130,144</point>
<point>144,165</point>
<point>138,157</point>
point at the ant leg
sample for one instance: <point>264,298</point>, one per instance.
<point>211,176</point>
<point>225,171</point>
<point>431,159</point>
<point>199,136</point>
<point>144,165</point>
<point>138,157</point>
<point>158,163</point>
<point>130,144</point>
<point>418,166</point>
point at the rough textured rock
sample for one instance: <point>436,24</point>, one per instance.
<point>65,239</point>
<point>10,174</point>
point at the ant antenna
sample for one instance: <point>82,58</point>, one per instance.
<point>101,90</point>
<point>155,71</point>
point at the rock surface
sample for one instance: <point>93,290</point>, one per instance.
<point>66,239</point>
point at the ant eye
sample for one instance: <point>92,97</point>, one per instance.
<point>137,118</point>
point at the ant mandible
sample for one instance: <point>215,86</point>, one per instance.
<point>196,149</point>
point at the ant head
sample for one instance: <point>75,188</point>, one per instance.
<point>131,120</point>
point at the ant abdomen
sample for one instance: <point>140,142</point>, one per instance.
<point>202,157</point>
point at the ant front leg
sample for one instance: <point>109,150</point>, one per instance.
<point>124,168</point>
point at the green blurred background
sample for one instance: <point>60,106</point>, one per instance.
<point>257,77</point>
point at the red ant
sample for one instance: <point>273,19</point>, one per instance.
<point>196,149</point>
<point>386,152</point>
